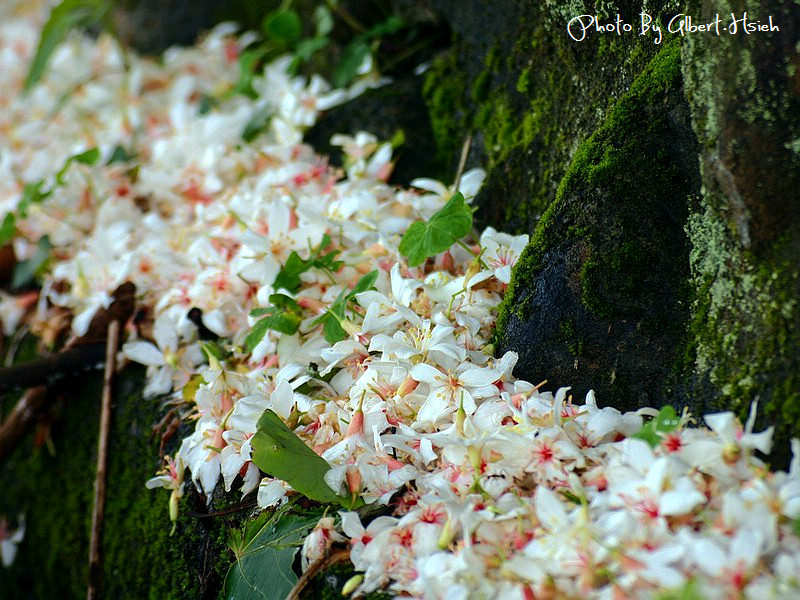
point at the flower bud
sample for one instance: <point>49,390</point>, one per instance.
<point>447,535</point>
<point>174,498</point>
<point>356,425</point>
<point>353,477</point>
<point>408,386</point>
<point>461,417</point>
<point>351,584</point>
<point>475,460</point>
<point>473,269</point>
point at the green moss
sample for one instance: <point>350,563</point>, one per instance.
<point>140,558</point>
<point>744,334</point>
<point>444,92</point>
<point>570,335</point>
<point>745,327</point>
<point>530,99</point>
<point>524,80</point>
<point>614,265</point>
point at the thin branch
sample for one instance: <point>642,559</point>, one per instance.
<point>314,569</point>
<point>50,369</point>
<point>233,509</point>
<point>462,161</point>
<point>21,418</point>
<point>98,513</point>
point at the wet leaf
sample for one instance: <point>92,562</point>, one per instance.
<point>283,26</point>
<point>8,229</point>
<point>65,17</point>
<point>263,569</point>
<point>280,453</point>
<point>442,230</point>
<point>352,57</point>
<point>666,421</point>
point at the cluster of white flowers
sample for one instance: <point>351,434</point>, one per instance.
<point>494,487</point>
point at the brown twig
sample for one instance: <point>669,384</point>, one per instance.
<point>21,418</point>
<point>50,369</point>
<point>98,513</point>
<point>228,511</point>
<point>314,569</point>
<point>462,161</point>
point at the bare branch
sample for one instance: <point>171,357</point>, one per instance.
<point>98,513</point>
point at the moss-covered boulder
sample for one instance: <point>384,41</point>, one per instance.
<point>744,336</point>
<point>597,300</point>
<point>653,282</point>
<point>528,94</point>
<point>664,254</point>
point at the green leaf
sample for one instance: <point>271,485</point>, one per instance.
<point>305,50</point>
<point>248,63</point>
<point>332,329</point>
<point>263,570</point>
<point>279,452</point>
<point>8,229</point>
<point>212,348</point>
<point>283,316</point>
<point>239,539</point>
<point>257,333</point>
<point>367,282</point>
<point>26,271</point>
<point>31,194</point>
<point>206,104</point>
<point>257,124</point>
<point>283,26</point>
<point>414,244</point>
<point>289,276</point>
<point>285,322</point>
<point>391,25</point>
<point>666,421</point>
<point>120,154</point>
<point>796,526</point>
<point>324,20</point>
<point>331,320</point>
<point>189,390</point>
<point>68,15</point>
<point>353,55</point>
<point>446,227</point>
<point>87,157</point>
<point>689,591</point>
<point>284,302</point>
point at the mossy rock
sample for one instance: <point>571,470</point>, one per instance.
<point>744,336</point>
<point>598,299</point>
<point>528,94</point>
<point>54,489</point>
